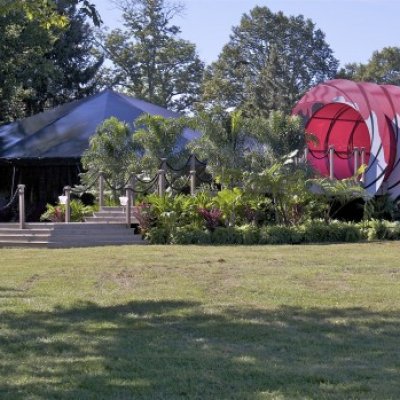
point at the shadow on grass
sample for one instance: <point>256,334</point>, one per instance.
<point>175,350</point>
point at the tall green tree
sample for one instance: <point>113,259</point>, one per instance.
<point>158,137</point>
<point>150,60</point>
<point>42,67</point>
<point>233,143</point>
<point>111,150</point>
<point>383,67</point>
<point>45,11</point>
<point>269,62</point>
<point>223,144</point>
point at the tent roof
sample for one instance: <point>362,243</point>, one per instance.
<point>64,132</point>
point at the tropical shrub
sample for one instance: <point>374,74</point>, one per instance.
<point>56,213</point>
<point>143,213</point>
<point>229,235</point>
<point>191,235</point>
<point>250,234</point>
<point>212,218</point>
<point>158,235</point>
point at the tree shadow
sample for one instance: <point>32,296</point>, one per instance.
<point>178,349</point>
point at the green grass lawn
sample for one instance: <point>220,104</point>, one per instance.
<point>152,322</point>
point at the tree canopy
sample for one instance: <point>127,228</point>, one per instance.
<point>149,59</point>
<point>383,68</point>
<point>42,67</point>
<point>268,63</point>
<point>46,12</point>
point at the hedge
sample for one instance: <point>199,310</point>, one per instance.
<point>311,232</point>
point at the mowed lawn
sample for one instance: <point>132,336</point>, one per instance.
<point>153,322</point>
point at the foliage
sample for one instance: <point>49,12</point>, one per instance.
<point>41,67</point>
<point>53,213</point>
<point>382,230</point>
<point>212,218</point>
<point>158,235</point>
<point>233,143</point>
<point>158,137</point>
<point>319,232</point>
<point>383,68</point>
<point>149,59</point>
<point>288,188</point>
<point>46,13</point>
<point>316,231</point>
<point>230,202</point>
<point>282,134</point>
<point>111,151</point>
<point>223,143</point>
<point>381,207</point>
<point>330,192</point>
<point>269,62</point>
<point>143,213</point>
<point>56,213</point>
<point>191,235</point>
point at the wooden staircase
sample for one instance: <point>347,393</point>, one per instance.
<point>61,235</point>
<point>111,215</point>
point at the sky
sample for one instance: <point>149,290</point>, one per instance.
<point>354,29</point>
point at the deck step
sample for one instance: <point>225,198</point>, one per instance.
<point>61,235</point>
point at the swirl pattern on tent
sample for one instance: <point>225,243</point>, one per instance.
<point>350,116</point>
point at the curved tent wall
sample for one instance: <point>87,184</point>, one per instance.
<point>349,116</point>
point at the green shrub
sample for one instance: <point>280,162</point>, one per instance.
<point>320,232</point>
<point>279,235</point>
<point>57,213</point>
<point>158,235</point>
<point>394,231</point>
<point>191,235</point>
<point>352,233</point>
<point>383,230</point>
<point>297,234</point>
<point>316,232</point>
<point>228,235</point>
<point>250,234</point>
<point>377,230</point>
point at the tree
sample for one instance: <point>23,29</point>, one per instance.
<point>269,62</point>
<point>282,134</point>
<point>233,143</point>
<point>224,144</point>
<point>149,59</point>
<point>158,138</point>
<point>42,67</point>
<point>45,11</point>
<point>382,68</point>
<point>111,150</point>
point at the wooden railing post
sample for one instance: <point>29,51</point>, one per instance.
<point>133,187</point>
<point>161,177</point>
<point>101,190</point>
<point>192,175</point>
<point>306,155</point>
<point>331,163</point>
<point>128,208</point>
<point>21,204</point>
<point>363,163</point>
<point>356,161</point>
<point>67,192</point>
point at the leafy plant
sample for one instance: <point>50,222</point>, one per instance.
<point>291,198</point>
<point>212,218</point>
<point>56,213</point>
<point>229,202</point>
<point>381,207</point>
<point>191,235</point>
<point>143,213</point>
<point>328,192</point>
